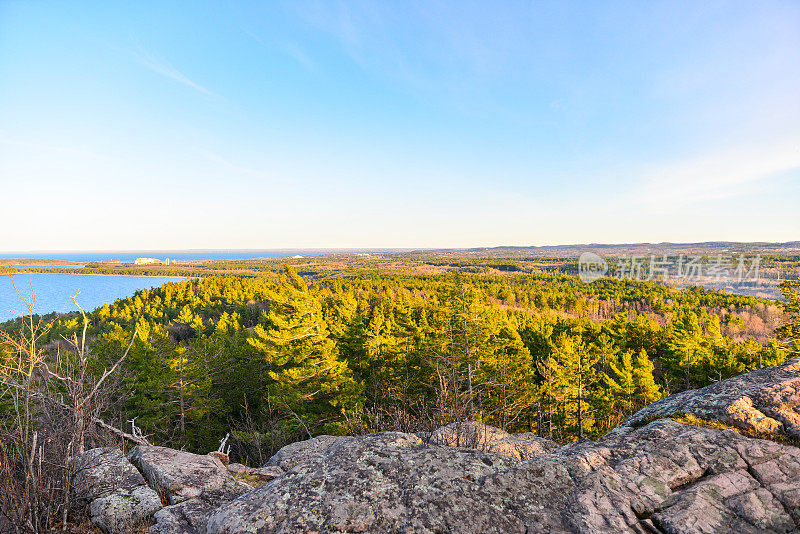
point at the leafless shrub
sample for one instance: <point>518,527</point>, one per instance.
<point>256,437</point>
<point>386,419</point>
<point>49,411</point>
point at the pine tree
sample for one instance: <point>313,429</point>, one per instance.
<point>309,378</point>
<point>647,390</point>
<point>507,380</point>
<point>789,333</point>
<point>576,376</point>
<point>467,341</point>
<point>687,346</point>
<point>549,392</point>
<point>621,382</point>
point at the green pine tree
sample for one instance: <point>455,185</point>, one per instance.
<point>310,380</point>
<point>647,390</point>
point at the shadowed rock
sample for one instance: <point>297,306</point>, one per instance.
<point>119,499</point>
<point>189,516</point>
<point>101,471</point>
<point>125,510</point>
<point>236,468</point>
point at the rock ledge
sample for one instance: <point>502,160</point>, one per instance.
<point>652,474</point>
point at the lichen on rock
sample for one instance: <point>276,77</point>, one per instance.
<point>652,474</point>
<point>765,402</point>
<point>119,499</point>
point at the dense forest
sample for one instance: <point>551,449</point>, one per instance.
<point>275,359</point>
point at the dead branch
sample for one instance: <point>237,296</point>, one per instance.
<point>139,440</point>
<point>108,372</point>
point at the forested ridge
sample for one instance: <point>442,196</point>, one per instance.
<point>273,360</point>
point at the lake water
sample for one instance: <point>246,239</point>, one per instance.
<point>54,291</point>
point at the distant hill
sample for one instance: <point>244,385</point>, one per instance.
<point>708,247</point>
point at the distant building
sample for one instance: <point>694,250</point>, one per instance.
<point>147,261</point>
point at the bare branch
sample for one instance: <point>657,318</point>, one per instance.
<point>108,372</point>
<point>140,440</point>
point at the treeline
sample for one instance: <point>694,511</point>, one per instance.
<point>165,271</point>
<point>278,360</point>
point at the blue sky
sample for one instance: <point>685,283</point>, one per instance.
<point>174,125</point>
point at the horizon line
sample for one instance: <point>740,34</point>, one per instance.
<point>385,249</point>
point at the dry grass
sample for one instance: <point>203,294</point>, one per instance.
<point>250,479</point>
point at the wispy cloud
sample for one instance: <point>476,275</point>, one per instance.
<point>727,173</point>
<point>292,49</point>
<point>300,55</point>
<point>162,66</point>
<point>459,55</point>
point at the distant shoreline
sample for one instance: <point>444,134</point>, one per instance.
<point>103,274</point>
<point>9,262</point>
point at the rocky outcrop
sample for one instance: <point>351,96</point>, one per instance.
<point>474,435</point>
<point>765,403</point>
<point>192,484</point>
<point>237,468</point>
<point>302,451</point>
<point>663,477</point>
<point>180,475</point>
<point>657,473</point>
<point>358,486</point>
<point>189,516</point>
<point>124,511</point>
<point>119,499</point>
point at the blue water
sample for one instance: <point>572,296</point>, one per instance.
<point>53,292</point>
<point>130,257</point>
